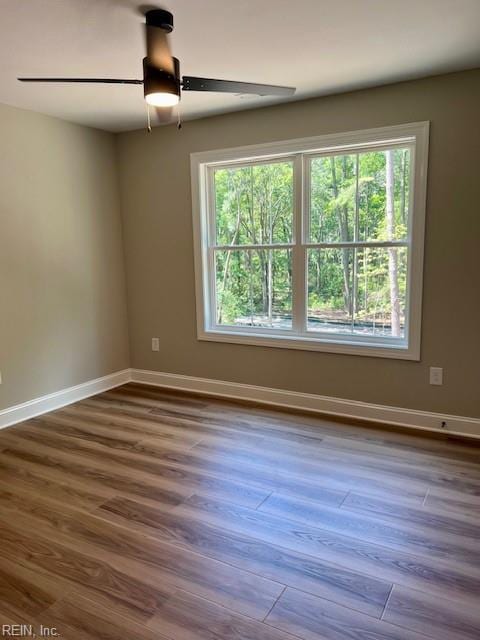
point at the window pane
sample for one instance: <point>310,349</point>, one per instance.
<point>254,288</point>
<point>330,290</point>
<point>332,198</point>
<point>254,205</point>
<point>380,296</point>
<point>362,196</point>
<point>357,291</point>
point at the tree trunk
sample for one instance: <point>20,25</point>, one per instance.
<point>404,184</point>
<point>271,222</point>
<point>354,308</point>
<point>270,287</point>
<point>226,267</point>
<point>250,284</point>
<point>392,251</point>
<point>342,225</point>
<point>365,254</point>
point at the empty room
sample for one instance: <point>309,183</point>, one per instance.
<point>240,320</point>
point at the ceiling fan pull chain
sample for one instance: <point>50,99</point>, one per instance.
<point>179,118</point>
<point>149,123</point>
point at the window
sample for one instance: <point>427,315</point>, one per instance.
<point>313,244</point>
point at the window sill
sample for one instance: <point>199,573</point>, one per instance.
<point>358,348</point>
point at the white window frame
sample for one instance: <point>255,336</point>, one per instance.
<point>414,136</point>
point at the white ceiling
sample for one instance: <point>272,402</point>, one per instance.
<point>319,46</point>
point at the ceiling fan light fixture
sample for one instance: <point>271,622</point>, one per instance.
<point>162,99</point>
<point>161,89</point>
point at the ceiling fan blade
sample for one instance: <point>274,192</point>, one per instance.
<point>191,83</point>
<point>94,80</point>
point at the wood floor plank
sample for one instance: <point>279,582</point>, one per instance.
<point>282,478</point>
<point>6,620</point>
<point>237,419</point>
<point>340,584</point>
<point>423,518</point>
<point>21,456</point>
<point>156,562</point>
<point>384,460</point>
<point>36,479</point>
<point>10,623</point>
<point>455,502</point>
<point>251,475</point>
<point>86,430</point>
<point>66,460</point>
<point>314,425</point>
<point>178,420</point>
<point>186,617</point>
<point>75,617</point>
<point>134,464</point>
<point>397,533</point>
<point>362,473</point>
<point>441,452</point>
<point>311,618</point>
<point>267,478</point>
<point>408,569</point>
<point>25,592</point>
<point>174,396</point>
<point>129,595</point>
<point>286,431</point>
<point>322,474</point>
<point>437,617</point>
<point>133,427</point>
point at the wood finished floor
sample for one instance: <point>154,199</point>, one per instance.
<point>142,513</point>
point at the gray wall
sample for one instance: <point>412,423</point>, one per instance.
<point>62,286</point>
<point>156,203</point>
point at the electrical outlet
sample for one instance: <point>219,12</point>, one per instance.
<point>155,344</point>
<point>0,377</point>
<point>436,375</point>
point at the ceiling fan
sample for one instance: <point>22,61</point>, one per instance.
<point>162,83</point>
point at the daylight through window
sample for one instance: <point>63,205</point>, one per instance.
<point>314,247</point>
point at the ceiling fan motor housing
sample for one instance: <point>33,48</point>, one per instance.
<point>157,80</point>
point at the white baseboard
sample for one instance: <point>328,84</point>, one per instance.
<point>58,399</point>
<point>424,420</point>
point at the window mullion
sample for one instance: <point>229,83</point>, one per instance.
<point>252,247</point>
<point>359,245</point>
<point>298,251</point>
